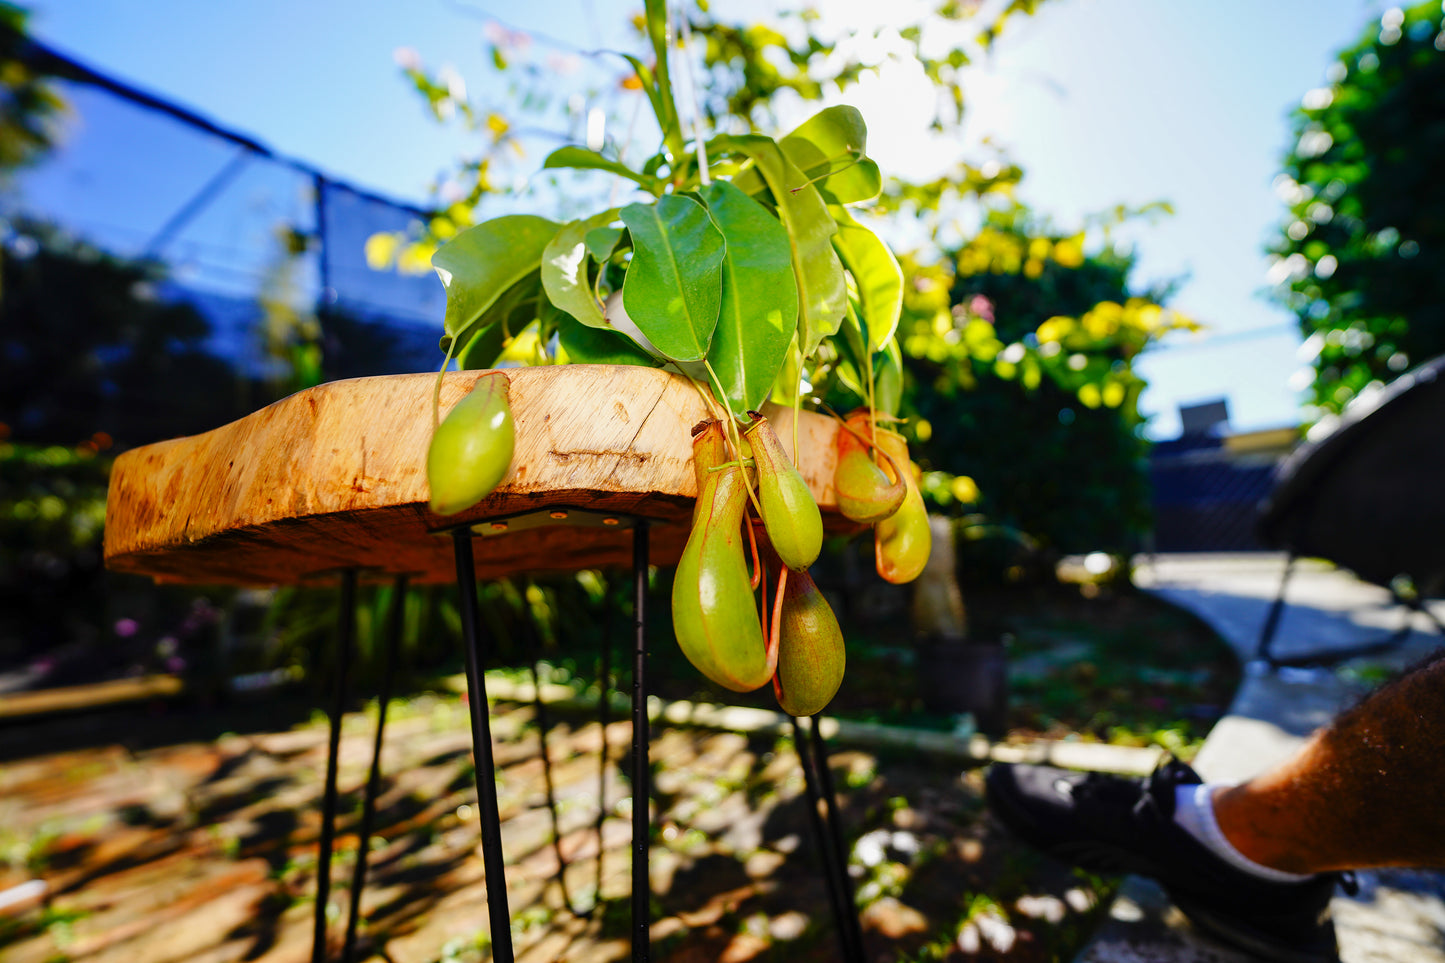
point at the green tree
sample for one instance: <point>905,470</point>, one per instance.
<point>1022,400</point>
<point>1362,254</point>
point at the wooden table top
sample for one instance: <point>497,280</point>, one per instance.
<point>334,477</point>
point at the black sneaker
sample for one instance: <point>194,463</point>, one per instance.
<point>1111,824</point>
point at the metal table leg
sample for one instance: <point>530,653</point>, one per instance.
<point>486,773</point>
<point>604,718</point>
<point>641,741</point>
<point>543,724</point>
<point>345,633</point>
<point>373,782</point>
<point>827,836</point>
<point>604,681</point>
<point>492,857</point>
<point>835,832</point>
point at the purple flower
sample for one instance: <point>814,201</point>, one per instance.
<point>125,628</point>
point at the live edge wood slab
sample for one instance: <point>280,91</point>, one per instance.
<point>334,478</point>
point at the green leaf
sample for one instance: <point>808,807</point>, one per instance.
<point>485,348</point>
<point>580,158</point>
<point>584,344</point>
<point>660,97</point>
<point>601,242</point>
<point>673,287</point>
<point>831,147</point>
<point>759,312</point>
<point>517,307</point>
<point>822,291</point>
<point>790,377</point>
<point>852,350</point>
<point>888,379</point>
<point>876,271</point>
<point>667,117</point>
<point>564,269</point>
<point>481,263</point>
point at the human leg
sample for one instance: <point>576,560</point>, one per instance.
<point>1365,791</point>
<point>1253,863</point>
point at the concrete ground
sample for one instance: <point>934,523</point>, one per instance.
<point>1397,915</point>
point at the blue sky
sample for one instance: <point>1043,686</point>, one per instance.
<point>1101,101</point>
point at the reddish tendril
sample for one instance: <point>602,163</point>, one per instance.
<point>773,639</point>
<point>757,565</point>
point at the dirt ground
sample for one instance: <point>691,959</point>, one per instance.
<point>175,841</point>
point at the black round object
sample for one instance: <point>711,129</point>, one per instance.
<point>1370,494</point>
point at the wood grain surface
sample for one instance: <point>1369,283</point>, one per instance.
<point>334,477</point>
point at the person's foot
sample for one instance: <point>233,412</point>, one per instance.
<point>1111,824</point>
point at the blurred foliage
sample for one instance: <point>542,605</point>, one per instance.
<point>90,346</point>
<point>1022,401</point>
<point>559,620</point>
<point>29,107</point>
<point>752,68</point>
<point>52,508</point>
<point>538,89</point>
<point>63,618</point>
<point>1362,255</point>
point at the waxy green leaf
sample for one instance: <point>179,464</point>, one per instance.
<point>759,310</point>
<point>484,349</point>
<point>852,349</point>
<point>602,241</point>
<point>481,263</point>
<point>584,344</point>
<point>830,148</point>
<point>822,292</point>
<point>876,271</point>
<point>517,307</point>
<point>564,270</point>
<point>659,95</point>
<point>673,287</point>
<point>888,379</point>
<point>786,387</point>
<point>580,158</point>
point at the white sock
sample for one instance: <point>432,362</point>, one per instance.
<point>1194,812</point>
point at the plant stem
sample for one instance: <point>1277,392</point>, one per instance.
<point>701,146</point>
<point>436,394</point>
<point>730,428</point>
<point>707,402</point>
<point>797,406</point>
<point>658,24</point>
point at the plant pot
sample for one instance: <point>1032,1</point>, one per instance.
<point>957,676</point>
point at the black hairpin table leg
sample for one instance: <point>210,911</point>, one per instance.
<point>493,863</point>
<point>835,832</point>
<point>604,718</point>
<point>373,781</point>
<point>543,724</point>
<point>345,641</point>
<point>827,855</point>
<point>604,674</point>
<point>641,739</point>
